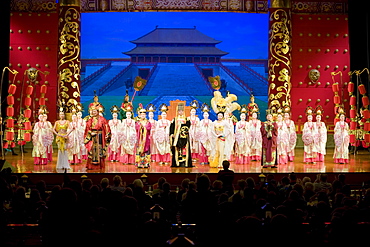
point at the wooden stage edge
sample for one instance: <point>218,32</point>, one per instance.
<point>357,171</point>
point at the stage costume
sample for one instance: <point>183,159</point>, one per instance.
<point>322,135</point>
<point>60,129</point>
<point>21,131</point>
<point>153,148</point>
<point>74,141</point>
<point>97,137</point>
<point>282,139</point>
<point>256,137</point>
<point>42,140</point>
<point>161,137</point>
<point>341,140</point>
<point>269,132</point>
<point>115,125</point>
<point>207,138</point>
<point>129,138</point>
<point>194,130</point>
<point>242,138</point>
<point>143,128</point>
<point>81,126</point>
<point>292,133</point>
<point>180,143</point>
<point>252,107</point>
<point>309,133</point>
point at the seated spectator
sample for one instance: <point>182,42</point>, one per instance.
<point>117,184</point>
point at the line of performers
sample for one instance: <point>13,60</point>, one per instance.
<point>141,140</point>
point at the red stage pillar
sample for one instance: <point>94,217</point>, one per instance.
<point>69,47</point>
<point>280,54</point>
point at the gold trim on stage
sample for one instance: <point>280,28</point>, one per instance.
<point>76,3</point>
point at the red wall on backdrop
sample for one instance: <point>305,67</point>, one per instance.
<point>319,42</point>
<point>34,43</point>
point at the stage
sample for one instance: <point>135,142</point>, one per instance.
<point>357,170</point>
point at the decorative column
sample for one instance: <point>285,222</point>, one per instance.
<point>280,49</point>
<point>69,64</point>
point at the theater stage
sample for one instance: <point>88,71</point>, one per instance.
<point>357,170</point>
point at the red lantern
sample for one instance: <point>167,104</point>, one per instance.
<point>10,100</point>
<point>367,138</point>
<point>27,113</point>
<point>352,100</point>
<point>352,138</point>
<point>27,101</point>
<point>365,101</point>
<point>10,111</point>
<point>335,87</point>
<point>336,99</point>
<point>351,87</point>
<point>352,113</point>
<point>42,101</point>
<point>27,125</point>
<point>43,89</point>
<point>12,88</point>
<point>29,90</point>
<point>352,125</point>
<point>27,136</point>
<point>10,136</point>
<point>367,126</point>
<point>362,89</point>
<point>366,113</point>
<point>10,123</point>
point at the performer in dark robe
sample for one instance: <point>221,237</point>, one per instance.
<point>269,131</point>
<point>179,137</point>
<point>97,138</point>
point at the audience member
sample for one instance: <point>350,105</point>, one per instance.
<point>227,177</point>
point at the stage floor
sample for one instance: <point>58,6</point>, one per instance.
<point>359,163</point>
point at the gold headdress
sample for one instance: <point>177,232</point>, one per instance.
<point>79,107</point>
<point>61,106</point>
<point>309,110</point>
<point>286,108</point>
<point>194,104</point>
<point>150,108</point>
<point>205,107</point>
<point>280,111</point>
<point>114,109</point>
<point>42,110</point>
<point>319,110</point>
<point>269,111</point>
<point>141,109</point>
<point>163,107</point>
<point>244,109</point>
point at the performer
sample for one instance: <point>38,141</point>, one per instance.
<point>194,129</point>
<point>282,138</point>
<point>221,129</point>
<point>21,131</point>
<point>150,108</point>
<point>269,134</point>
<point>292,134</point>
<point>242,138</point>
<point>252,107</point>
<point>42,139</point>
<point>309,133</point>
<point>129,137</point>
<point>60,130</point>
<point>322,134</point>
<point>74,141</point>
<point>161,137</point>
<point>256,136</point>
<point>81,126</point>
<point>97,137</point>
<point>231,120</point>
<point>179,136</point>
<point>206,136</point>
<point>143,128</point>
<point>126,104</point>
<point>360,132</point>
<point>341,140</point>
<point>114,146</point>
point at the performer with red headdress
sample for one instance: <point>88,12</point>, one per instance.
<point>97,137</point>
<point>143,128</point>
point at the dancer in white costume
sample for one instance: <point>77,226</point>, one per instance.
<point>115,125</point>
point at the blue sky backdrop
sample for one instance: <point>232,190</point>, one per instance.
<point>108,34</point>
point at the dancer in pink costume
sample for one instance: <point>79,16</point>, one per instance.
<point>74,142</point>
<point>129,137</point>
<point>161,138</point>
<point>256,137</point>
<point>322,135</point>
<point>115,125</point>
<point>309,133</point>
<point>207,139</point>
<point>42,139</point>
<point>150,109</point>
<point>341,140</point>
<point>242,138</point>
<point>81,126</point>
<point>143,129</point>
<point>194,131</point>
<point>282,138</point>
<point>292,133</point>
